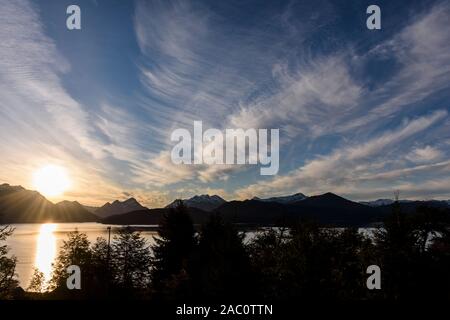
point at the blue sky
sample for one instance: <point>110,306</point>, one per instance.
<point>361,113</point>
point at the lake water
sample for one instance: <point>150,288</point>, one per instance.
<point>37,245</point>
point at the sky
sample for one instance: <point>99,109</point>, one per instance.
<point>361,113</point>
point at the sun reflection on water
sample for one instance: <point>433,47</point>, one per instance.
<point>46,249</point>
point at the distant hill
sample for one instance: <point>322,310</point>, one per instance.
<point>330,208</point>
<point>144,217</point>
<point>252,211</point>
<point>378,202</point>
<point>327,208</point>
<point>284,199</point>
<point>204,202</point>
<point>153,216</point>
<point>19,205</point>
<point>410,206</point>
<point>74,212</point>
<point>385,202</point>
<point>119,207</point>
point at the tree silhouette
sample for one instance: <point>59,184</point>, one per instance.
<point>310,262</point>
<point>172,252</point>
<point>130,259</point>
<point>74,251</point>
<point>222,269</point>
<point>267,252</point>
<point>37,282</point>
<point>103,268</point>
<point>428,222</point>
<point>7,265</point>
<point>410,270</point>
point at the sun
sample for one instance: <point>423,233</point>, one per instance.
<point>51,180</point>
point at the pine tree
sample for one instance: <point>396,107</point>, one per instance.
<point>74,251</point>
<point>103,268</point>
<point>130,259</point>
<point>222,264</point>
<point>173,249</point>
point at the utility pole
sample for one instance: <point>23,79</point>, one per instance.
<point>109,242</point>
<point>107,261</point>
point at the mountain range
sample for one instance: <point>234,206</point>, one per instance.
<point>204,202</point>
<point>118,207</point>
<point>19,205</point>
<point>327,208</point>
<point>378,202</point>
<point>153,216</point>
<point>284,199</point>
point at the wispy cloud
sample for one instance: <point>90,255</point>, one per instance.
<point>426,154</point>
<point>305,99</point>
<point>41,122</point>
<point>299,100</point>
<point>422,49</point>
<point>347,168</point>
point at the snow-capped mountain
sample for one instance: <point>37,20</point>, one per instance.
<point>118,207</point>
<point>284,199</point>
<point>204,202</point>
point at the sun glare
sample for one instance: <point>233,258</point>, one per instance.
<point>46,249</point>
<point>51,180</point>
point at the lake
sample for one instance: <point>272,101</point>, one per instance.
<point>37,245</point>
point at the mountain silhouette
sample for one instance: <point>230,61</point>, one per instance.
<point>330,208</point>
<point>410,206</point>
<point>153,217</point>
<point>327,208</point>
<point>252,211</point>
<point>378,202</point>
<point>284,199</point>
<point>74,212</point>
<point>204,202</point>
<point>19,205</point>
<point>119,207</point>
